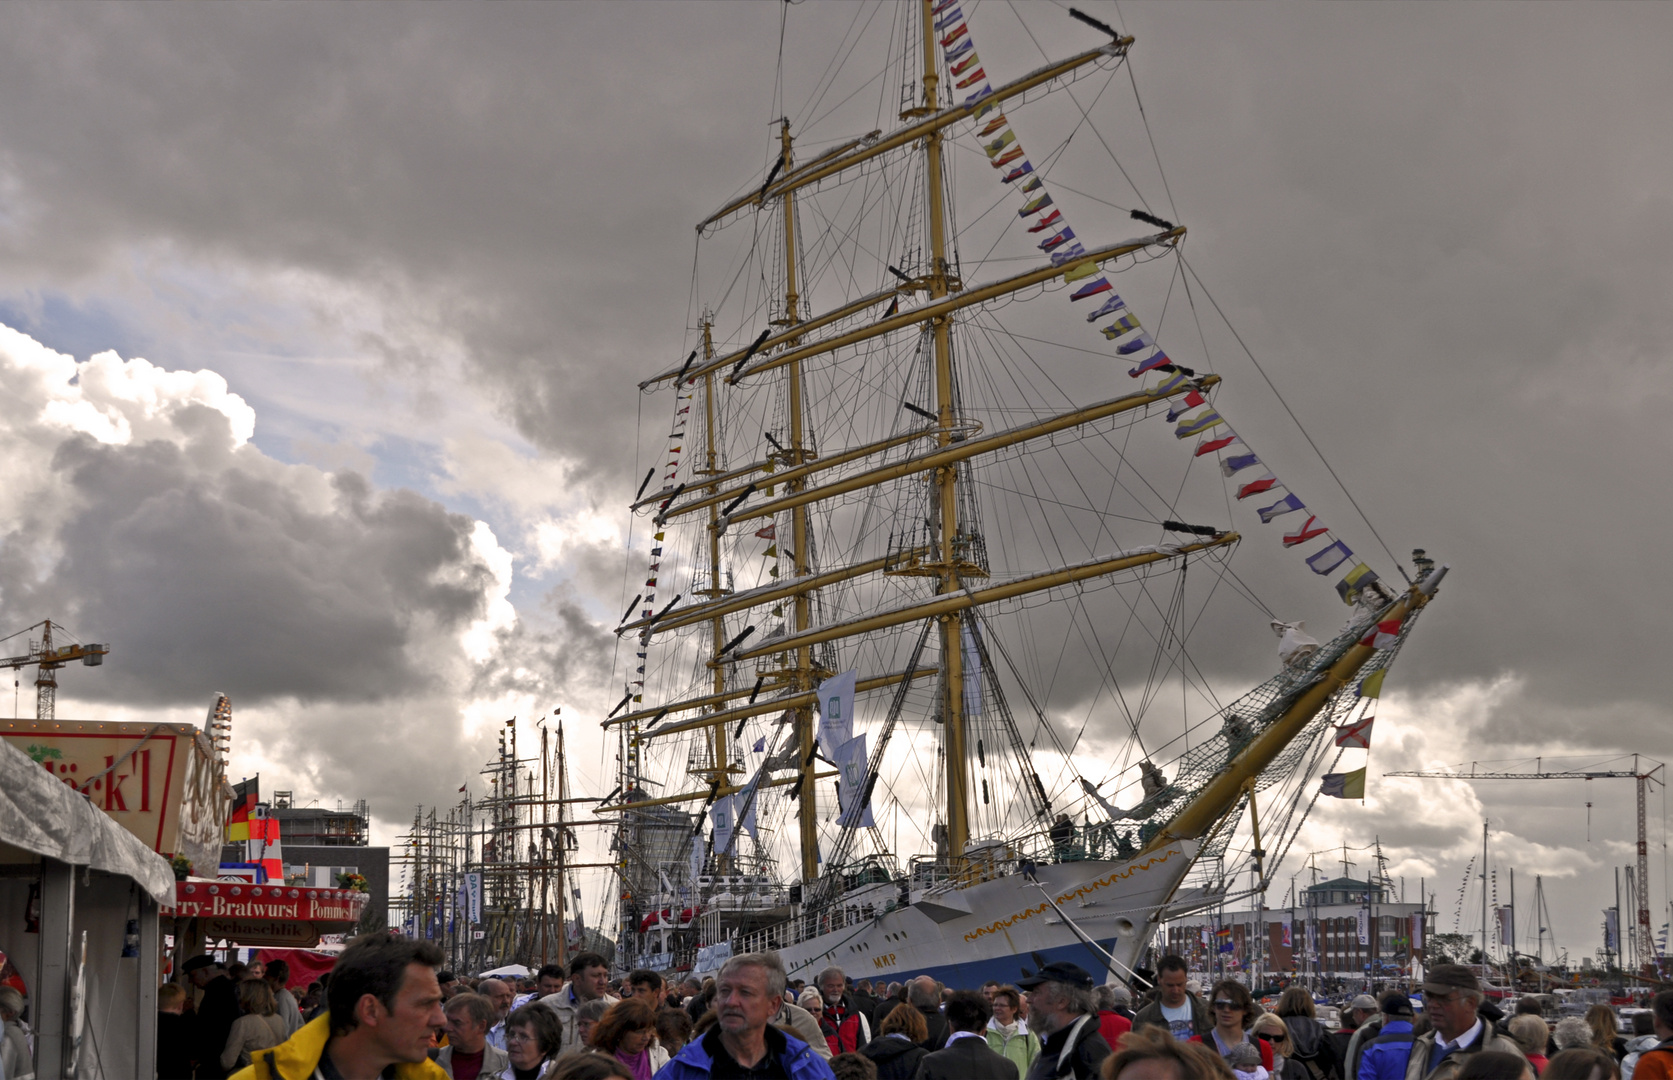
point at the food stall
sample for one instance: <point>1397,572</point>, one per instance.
<point>79,903</point>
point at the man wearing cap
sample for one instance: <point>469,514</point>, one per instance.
<point>1450,996</point>
<point>216,1012</point>
<point>1178,1011</point>
<point>1383,1056</point>
<point>1367,1020</point>
<point>1060,1012</point>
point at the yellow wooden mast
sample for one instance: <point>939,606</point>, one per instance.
<point>721,762</point>
<point>950,564</point>
<point>1220,796</point>
<point>805,676</point>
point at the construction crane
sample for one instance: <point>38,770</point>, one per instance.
<point>50,658</point>
<point>1644,778</point>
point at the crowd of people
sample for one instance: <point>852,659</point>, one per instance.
<point>388,1010</point>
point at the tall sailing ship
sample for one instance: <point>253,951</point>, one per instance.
<point>911,685</point>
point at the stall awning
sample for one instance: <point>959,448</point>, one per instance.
<point>45,816</point>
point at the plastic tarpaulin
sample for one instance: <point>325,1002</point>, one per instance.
<point>45,816</point>
<point>305,966</point>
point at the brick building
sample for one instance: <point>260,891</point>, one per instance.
<point>1340,930</point>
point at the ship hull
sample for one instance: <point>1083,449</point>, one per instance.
<point>1008,921</point>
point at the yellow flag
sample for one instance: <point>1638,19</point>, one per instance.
<point>1372,685</point>
<point>1085,269</point>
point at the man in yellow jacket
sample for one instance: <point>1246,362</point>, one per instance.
<point>384,1006</point>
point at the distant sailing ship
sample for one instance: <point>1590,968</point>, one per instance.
<point>873,534</point>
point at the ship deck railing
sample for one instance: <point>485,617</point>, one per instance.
<point>1104,841</point>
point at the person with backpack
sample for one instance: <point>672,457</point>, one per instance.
<point>1384,1056</point>
<point>1313,1046</point>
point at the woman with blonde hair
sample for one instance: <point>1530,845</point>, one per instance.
<point>1606,1034</point>
<point>260,1028</point>
<point>1271,1030</point>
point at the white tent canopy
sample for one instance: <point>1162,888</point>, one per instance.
<point>92,967</point>
<point>44,816</point>
<point>509,971</point>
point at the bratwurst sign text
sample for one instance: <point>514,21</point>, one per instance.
<point>272,903</point>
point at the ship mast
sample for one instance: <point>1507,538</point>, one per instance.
<point>807,815</point>
<point>717,625</point>
<point>945,479</point>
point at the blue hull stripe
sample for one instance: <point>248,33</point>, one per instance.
<point>1005,969</point>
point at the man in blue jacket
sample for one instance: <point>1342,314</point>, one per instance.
<point>741,1046</point>
<point>1384,1057</point>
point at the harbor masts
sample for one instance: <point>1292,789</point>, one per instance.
<point>807,811</point>
<point>563,849</point>
<point>945,478</point>
<point>1484,880</point>
<point>1643,937</point>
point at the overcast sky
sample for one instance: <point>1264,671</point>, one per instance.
<point>358,297</point>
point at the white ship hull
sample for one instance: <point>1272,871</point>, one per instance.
<point>1117,904</point>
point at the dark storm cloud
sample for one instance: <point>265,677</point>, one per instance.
<point>493,177</point>
<point>258,593</point>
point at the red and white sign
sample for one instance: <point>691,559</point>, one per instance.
<point>268,904</point>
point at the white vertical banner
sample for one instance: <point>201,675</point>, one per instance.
<point>836,711</point>
<point>972,674</point>
<point>850,759</point>
<point>1417,929</point>
<point>1611,930</point>
<point>473,898</point>
<point>746,801</point>
<point>1507,924</point>
<point>721,815</point>
<point>1364,927</point>
<point>697,854</point>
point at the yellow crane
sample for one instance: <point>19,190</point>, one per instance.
<point>49,657</point>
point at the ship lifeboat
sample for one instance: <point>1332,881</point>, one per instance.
<point>663,920</point>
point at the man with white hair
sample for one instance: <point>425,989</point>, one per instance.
<point>1451,994</point>
<point>841,1019</point>
<point>749,992</point>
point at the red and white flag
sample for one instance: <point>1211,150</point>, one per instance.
<point>1383,635</point>
<point>768,533</point>
<point>1308,530</point>
<point>1356,735</point>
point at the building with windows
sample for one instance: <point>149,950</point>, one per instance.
<point>1344,930</point>
<point>318,844</point>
